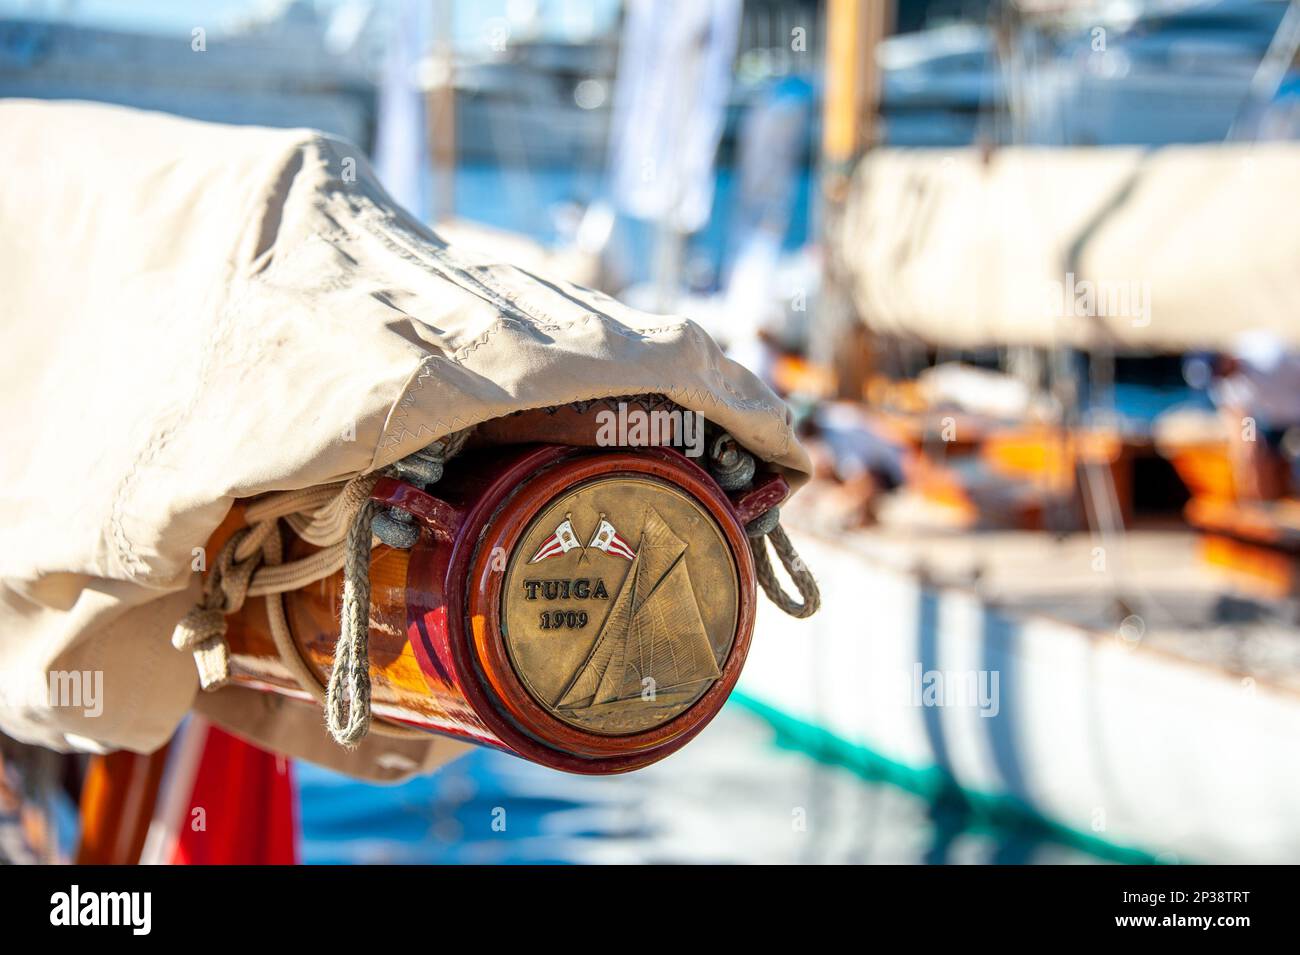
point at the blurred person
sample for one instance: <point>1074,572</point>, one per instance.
<point>1256,389</point>
<point>853,466</point>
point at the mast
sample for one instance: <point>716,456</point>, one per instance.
<point>853,30</point>
<point>442,114</point>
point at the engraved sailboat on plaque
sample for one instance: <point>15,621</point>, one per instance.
<point>653,630</point>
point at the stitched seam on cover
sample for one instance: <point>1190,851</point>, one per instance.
<point>491,294</point>
<point>443,426</point>
<point>477,281</point>
<point>514,313</point>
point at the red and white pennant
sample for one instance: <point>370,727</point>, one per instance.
<point>561,542</point>
<point>606,539</point>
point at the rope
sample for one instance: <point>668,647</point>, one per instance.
<point>329,524</point>
<point>793,565</point>
<point>347,699</point>
<point>285,503</point>
<point>338,518</point>
<point>272,579</point>
<point>202,631</point>
<point>288,651</point>
<point>396,527</point>
<point>733,468</point>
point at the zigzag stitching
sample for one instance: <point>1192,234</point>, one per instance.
<point>477,280</point>
<point>397,431</point>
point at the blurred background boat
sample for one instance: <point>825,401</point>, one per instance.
<point>1060,582</point>
<point>280,66</point>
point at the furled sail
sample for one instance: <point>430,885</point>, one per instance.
<point>264,317</point>
<point>653,630</point>
<point>1138,250</point>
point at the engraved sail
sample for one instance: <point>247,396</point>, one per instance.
<point>653,630</point>
<point>585,682</point>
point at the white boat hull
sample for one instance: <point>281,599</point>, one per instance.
<point>1114,741</point>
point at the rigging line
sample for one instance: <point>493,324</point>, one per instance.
<point>1273,66</point>
<point>1272,69</point>
<point>672,650</point>
<point>662,577</point>
<point>670,645</point>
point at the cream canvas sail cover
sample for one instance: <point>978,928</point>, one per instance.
<point>1164,250</point>
<point>195,314</point>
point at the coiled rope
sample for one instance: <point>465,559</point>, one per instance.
<point>341,519</point>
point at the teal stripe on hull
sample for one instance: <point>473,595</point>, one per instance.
<point>932,783</point>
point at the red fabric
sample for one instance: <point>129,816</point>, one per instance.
<point>247,800</point>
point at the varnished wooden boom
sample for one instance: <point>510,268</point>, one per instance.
<point>438,657</point>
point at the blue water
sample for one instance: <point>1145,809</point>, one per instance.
<point>732,795</point>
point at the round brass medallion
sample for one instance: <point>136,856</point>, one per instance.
<point>620,604</point>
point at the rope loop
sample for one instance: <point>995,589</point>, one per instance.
<point>733,468</point>
<point>794,566</point>
<point>347,698</point>
<point>202,631</point>
<point>347,694</point>
<point>396,528</point>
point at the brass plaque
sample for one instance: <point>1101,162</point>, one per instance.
<point>620,605</point>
